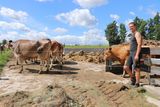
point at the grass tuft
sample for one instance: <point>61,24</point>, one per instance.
<point>4,57</point>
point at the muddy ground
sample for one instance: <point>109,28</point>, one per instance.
<point>81,83</point>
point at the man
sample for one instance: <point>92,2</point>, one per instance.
<point>132,66</point>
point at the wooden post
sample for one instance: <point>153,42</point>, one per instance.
<point>108,65</point>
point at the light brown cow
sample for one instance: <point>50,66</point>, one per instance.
<point>27,49</point>
<point>56,53</point>
<point>118,52</point>
<point>17,50</point>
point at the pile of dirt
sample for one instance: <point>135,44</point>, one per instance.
<point>50,96</point>
<point>95,57</point>
<point>151,43</point>
<point>120,95</point>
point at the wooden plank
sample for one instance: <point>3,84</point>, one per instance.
<point>151,51</point>
<point>157,82</point>
<point>155,51</point>
<point>155,70</point>
<point>145,68</point>
<point>155,61</point>
<point>108,65</point>
<point>145,50</point>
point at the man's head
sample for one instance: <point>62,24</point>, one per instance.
<point>132,27</point>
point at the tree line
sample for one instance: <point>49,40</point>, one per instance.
<point>4,41</point>
<point>149,29</point>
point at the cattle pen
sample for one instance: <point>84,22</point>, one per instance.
<point>150,63</point>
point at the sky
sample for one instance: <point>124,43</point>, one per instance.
<point>69,21</point>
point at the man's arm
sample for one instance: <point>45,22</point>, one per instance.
<point>139,43</point>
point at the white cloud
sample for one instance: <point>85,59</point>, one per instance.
<point>15,35</point>
<point>69,39</point>
<point>151,12</point>
<point>35,35</point>
<point>60,30</point>
<point>44,0</point>
<point>114,16</point>
<point>94,36</point>
<point>10,13</point>
<point>91,37</point>
<point>78,17</point>
<point>90,3</point>
<point>132,13</point>
<point>13,25</point>
<point>46,29</point>
<point>128,21</point>
<point>11,35</point>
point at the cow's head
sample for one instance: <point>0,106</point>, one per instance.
<point>108,53</point>
<point>44,46</point>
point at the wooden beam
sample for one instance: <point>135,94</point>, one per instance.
<point>155,51</point>
<point>155,70</point>
<point>155,61</point>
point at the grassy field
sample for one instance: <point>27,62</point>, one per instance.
<point>4,57</point>
<point>86,46</point>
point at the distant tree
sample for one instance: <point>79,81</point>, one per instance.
<point>4,41</point>
<point>122,33</point>
<point>157,18</point>
<point>142,28</point>
<point>156,32</point>
<point>111,33</point>
<point>150,29</point>
<point>137,22</point>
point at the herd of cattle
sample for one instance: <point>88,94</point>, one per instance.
<point>47,51</point>
<point>44,50</point>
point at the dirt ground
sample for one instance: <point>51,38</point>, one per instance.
<point>78,84</point>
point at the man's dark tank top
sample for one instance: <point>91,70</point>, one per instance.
<point>133,44</point>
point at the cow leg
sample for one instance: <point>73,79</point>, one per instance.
<point>21,70</point>
<point>48,67</point>
<point>21,65</point>
<point>61,64</point>
<point>124,72</point>
<point>26,61</point>
<point>17,62</point>
<point>52,59</point>
<point>60,60</point>
<point>51,64</point>
<point>40,67</point>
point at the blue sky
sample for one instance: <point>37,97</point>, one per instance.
<point>69,21</point>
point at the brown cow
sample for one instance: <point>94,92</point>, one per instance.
<point>27,49</point>
<point>16,51</point>
<point>118,52</point>
<point>56,53</point>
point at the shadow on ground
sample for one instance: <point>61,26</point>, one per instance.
<point>70,63</point>
<point>56,70</point>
